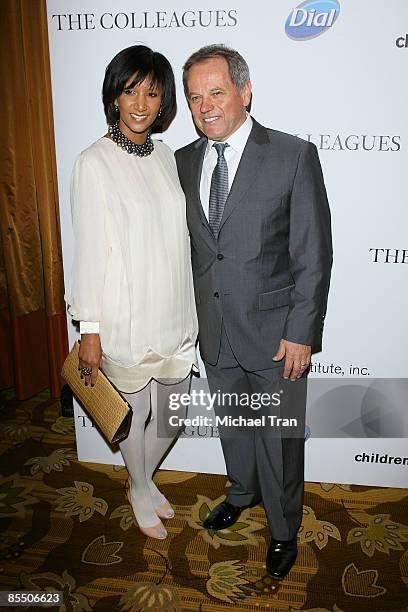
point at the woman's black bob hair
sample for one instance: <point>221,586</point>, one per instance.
<point>141,62</point>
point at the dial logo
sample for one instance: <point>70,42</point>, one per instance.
<point>311,19</point>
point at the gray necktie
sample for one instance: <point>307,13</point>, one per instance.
<point>218,189</point>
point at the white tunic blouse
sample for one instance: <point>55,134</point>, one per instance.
<point>131,268</point>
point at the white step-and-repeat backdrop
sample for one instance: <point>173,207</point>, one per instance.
<point>333,72</point>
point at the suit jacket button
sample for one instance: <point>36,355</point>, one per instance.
<point>220,256</point>
<point>216,294</point>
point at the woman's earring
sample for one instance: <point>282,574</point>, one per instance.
<point>160,112</point>
<point>117,108</point>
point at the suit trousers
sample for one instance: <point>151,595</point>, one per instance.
<point>261,465</point>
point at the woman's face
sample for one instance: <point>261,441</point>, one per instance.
<point>138,108</point>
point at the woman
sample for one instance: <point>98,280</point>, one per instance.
<point>131,284</point>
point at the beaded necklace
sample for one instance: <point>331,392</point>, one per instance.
<point>118,137</point>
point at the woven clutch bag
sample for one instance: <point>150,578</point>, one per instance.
<point>102,402</point>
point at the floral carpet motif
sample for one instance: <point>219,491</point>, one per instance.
<point>67,526</point>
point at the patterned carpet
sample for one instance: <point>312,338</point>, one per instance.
<point>67,526</point>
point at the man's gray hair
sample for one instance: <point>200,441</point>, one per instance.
<point>237,66</point>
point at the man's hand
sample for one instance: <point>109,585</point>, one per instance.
<point>297,358</point>
<point>90,355</point>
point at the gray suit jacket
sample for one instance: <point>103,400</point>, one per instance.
<point>267,277</point>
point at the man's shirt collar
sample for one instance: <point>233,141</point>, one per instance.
<point>238,139</point>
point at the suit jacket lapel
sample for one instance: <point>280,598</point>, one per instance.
<point>250,165</point>
<point>196,169</point>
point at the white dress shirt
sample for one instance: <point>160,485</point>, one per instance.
<point>232,154</point>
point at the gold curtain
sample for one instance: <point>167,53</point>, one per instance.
<point>33,328</point>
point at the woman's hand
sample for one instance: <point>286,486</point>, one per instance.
<point>90,355</point>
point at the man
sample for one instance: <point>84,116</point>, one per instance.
<point>259,222</point>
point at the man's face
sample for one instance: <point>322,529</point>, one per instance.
<point>217,106</point>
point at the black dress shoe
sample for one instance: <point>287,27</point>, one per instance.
<point>280,558</point>
<point>224,515</point>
